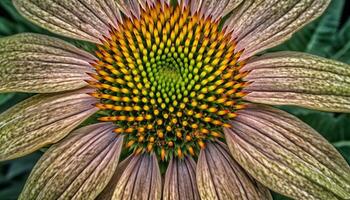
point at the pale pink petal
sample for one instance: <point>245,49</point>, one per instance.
<point>180,180</point>
<point>140,180</point>
<point>78,167</point>
<point>40,64</point>
<point>220,177</point>
<point>258,25</point>
<point>42,120</point>
<point>286,155</point>
<point>107,193</point>
<point>214,9</point>
<point>131,8</point>
<point>290,78</point>
<point>88,20</point>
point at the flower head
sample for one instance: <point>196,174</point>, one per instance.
<point>172,84</point>
<point>169,80</point>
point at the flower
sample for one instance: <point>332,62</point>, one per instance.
<point>171,82</point>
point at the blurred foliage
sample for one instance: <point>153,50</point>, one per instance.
<point>326,37</point>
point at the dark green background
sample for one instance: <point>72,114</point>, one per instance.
<point>329,36</point>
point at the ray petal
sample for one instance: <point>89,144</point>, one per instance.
<point>180,180</point>
<point>79,167</point>
<point>87,20</point>
<point>36,63</point>
<point>220,177</point>
<point>42,120</point>
<point>107,193</point>
<point>131,8</point>
<point>213,9</point>
<point>258,25</point>
<point>291,78</point>
<point>140,180</point>
<point>286,155</point>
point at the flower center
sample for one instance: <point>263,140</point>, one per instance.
<point>169,80</point>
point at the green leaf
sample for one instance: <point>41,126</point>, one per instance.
<point>23,24</point>
<point>13,175</point>
<point>342,44</point>
<point>344,149</point>
<point>327,26</point>
<point>10,99</point>
<point>2,178</point>
<point>5,97</point>
<point>6,26</point>
<point>279,197</point>
<point>11,192</point>
<point>21,166</point>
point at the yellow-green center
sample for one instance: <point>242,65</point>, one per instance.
<point>169,80</point>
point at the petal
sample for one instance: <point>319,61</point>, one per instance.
<point>288,156</point>
<point>87,20</point>
<point>180,180</point>
<point>42,120</point>
<point>215,9</point>
<point>107,193</point>
<point>220,177</point>
<point>131,8</point>
<point>167,2</point>
<point>258,25</point>
<point>290,78</point>
<point>141,179</point>
<point>39,64</point>
<point>79,167</point>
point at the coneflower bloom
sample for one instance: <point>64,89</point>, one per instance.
<point>176,85</point>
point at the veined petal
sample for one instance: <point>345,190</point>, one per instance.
<point>290,78</point>
<point>42,120</point>
<point>141,179</point>
<point>180,180</point>
<point>36,63</point>
<point>167,2</point>
<point>220,177</point>
<point>109,9</point>
<point>107,193</point>
<point>150,3</point>
<point>215,9</point>
<point>78,167</point>
<point>131,8</point>
<point>261,24</point>
<point>88,20</point>
<point>286,155</point>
